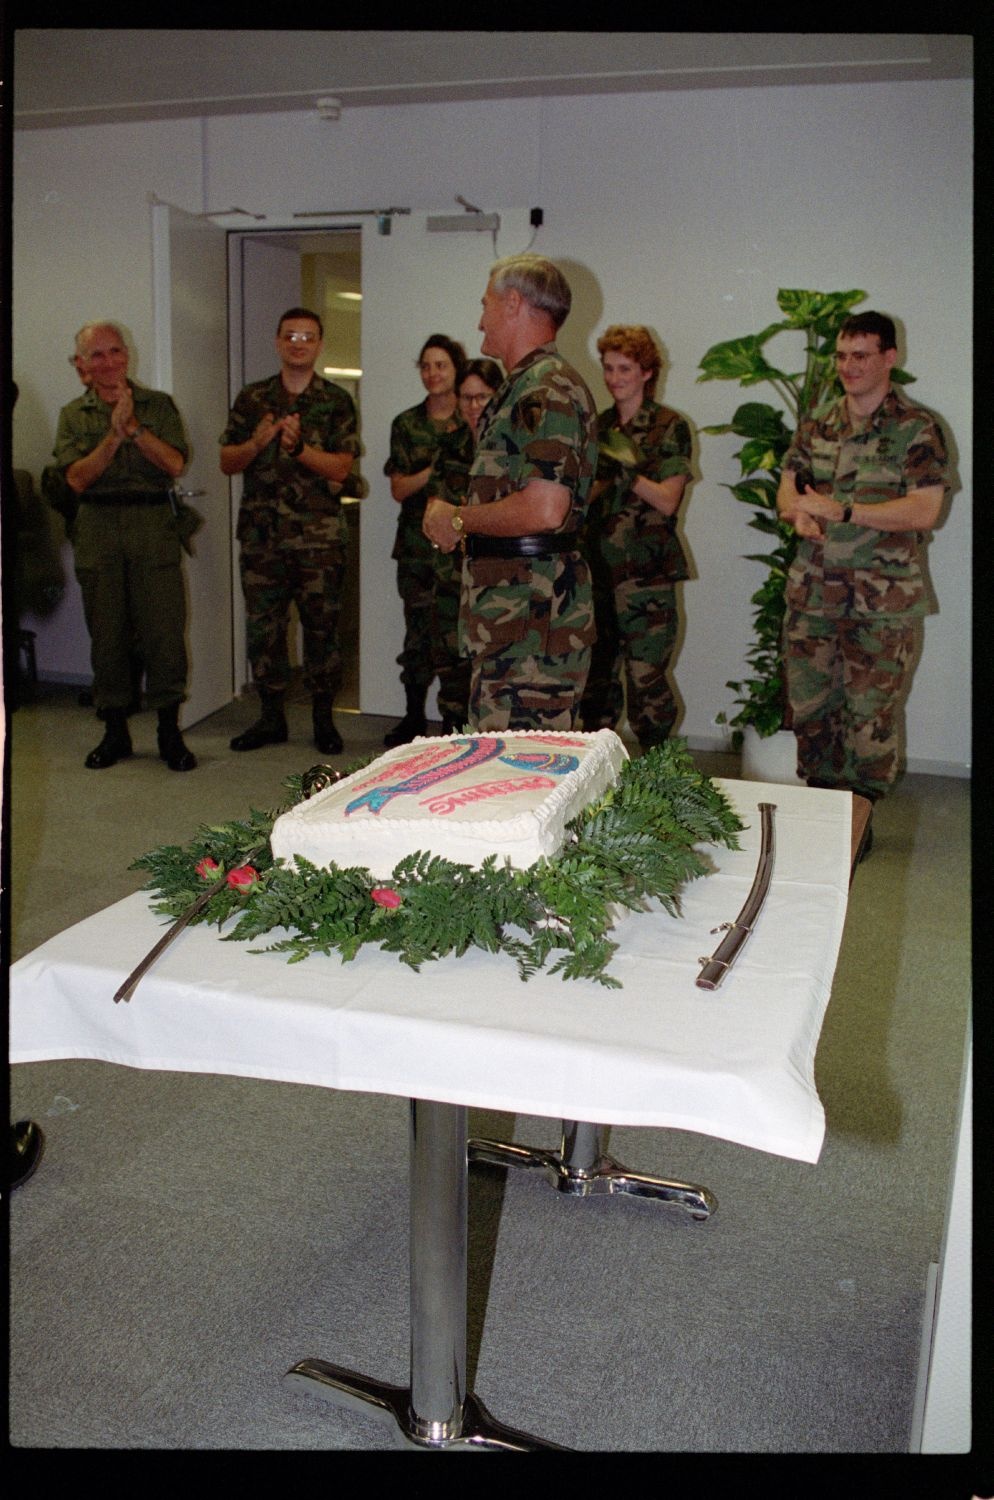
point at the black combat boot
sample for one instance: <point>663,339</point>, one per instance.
<point>171,747</point>
<point>27,1142</point>
<point>326,736</point>
<point>269,729</point>
<point>116,743</point>
<point>414,721</point>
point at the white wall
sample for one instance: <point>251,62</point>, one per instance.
<point>83,251</point>
<point>683,210</point>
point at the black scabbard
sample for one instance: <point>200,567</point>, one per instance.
<point>737,933</point>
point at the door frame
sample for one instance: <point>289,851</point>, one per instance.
<point>237,236</point>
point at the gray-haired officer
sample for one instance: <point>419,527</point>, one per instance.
<point>121,447</point>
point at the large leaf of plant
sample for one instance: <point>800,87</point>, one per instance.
<point>822,311</point>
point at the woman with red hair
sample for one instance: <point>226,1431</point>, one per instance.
<point>635,557</point>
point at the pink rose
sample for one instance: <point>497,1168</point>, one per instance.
<point>243,878</point>
<point>208,868</point>
<point>384,896</point>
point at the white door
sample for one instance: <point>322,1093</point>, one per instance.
<point>263,281</point>
<point>189,278</point>
<point>270,276</point>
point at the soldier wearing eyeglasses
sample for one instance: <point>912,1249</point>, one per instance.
<point>862,483</point>
<point>295,439</point>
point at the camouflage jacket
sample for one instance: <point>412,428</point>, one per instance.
<point>856,569</point>
<point>636,540</point>
<point>327,421</point>
<point>85,422</point>
<point>540,424</point>
<point>450,468</point>
<point>415,438</point>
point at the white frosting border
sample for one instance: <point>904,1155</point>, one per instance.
<point>523,839</point>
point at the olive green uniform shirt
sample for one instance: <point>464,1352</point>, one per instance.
<point>85,422</point>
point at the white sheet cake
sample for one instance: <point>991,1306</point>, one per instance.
<point>461,796</point>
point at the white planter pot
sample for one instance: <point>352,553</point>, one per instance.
<point>772,757</point>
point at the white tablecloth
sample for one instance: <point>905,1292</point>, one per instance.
<point>737,1062</point>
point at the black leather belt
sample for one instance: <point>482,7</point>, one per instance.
<point>543,545</point>
<point>125,497</point>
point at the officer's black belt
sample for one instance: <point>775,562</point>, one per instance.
<point>126,497</point>
<point>542,545</point>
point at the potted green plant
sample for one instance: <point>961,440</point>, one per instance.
<point>816,316</point>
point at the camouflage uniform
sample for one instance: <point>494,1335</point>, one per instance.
<point>127,552</point>
<point>449,482</point>
<point>292,532</point>
<point>528,623</point>
<point>855,598</point>
<point>414,442</point>
<point>636,560</point>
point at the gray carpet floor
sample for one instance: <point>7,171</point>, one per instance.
<point>186,1239</point>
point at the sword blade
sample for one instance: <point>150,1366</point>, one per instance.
<point>128,987</point>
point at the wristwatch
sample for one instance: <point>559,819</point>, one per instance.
<point>297,448</point>
<point>846,513</point>
<point>134,436</point>
<point>458,523</point>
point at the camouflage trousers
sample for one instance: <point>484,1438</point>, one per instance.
<point>416,586</point>
<point>527,692</point>
<point>847,681</point>
<point>636,633</point>
<point>289,558</point>
<point>527,625</point>
<point>451,668</point>
<point>128,565</point>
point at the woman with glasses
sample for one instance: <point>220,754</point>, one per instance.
<point>449,481</point>
<point>415,436</point>
<point>631,545</point>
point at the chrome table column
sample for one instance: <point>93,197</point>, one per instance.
<point>580,1167</point>
<point>435,1411</point>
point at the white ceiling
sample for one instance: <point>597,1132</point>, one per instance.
<point>67,76</point>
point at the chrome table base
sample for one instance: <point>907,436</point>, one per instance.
<point>581,1168</point>
<point>474,1431</point>
<point>435,1411</point>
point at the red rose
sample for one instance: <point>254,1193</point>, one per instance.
<point>243,878</point>
<point>208,868</point>
<point>384,896</point>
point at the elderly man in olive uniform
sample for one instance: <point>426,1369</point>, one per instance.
<point>120,448</point>
<point>526,618</point>
<point>295,438</point>
<point>862,481</point>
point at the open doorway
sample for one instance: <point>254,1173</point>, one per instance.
<point>320,269</point>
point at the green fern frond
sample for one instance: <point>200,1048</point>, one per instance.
<point>635,844</point>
